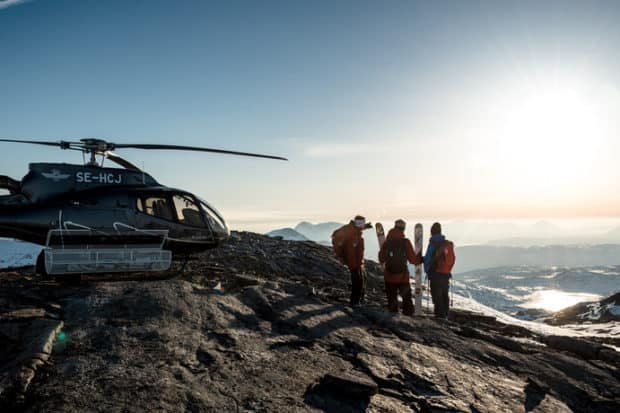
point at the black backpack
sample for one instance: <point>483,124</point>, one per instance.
<point>395,256</point>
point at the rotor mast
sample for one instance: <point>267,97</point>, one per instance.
<point>94,147</point>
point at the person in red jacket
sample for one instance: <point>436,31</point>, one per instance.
<point>349,247</point>
<point>395,253</point>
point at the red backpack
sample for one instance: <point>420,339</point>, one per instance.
<point>340,238</point>
<point>443,258</point>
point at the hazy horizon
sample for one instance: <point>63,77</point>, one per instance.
<point>472,232</point>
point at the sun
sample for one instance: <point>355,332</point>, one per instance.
<point>548,138</point>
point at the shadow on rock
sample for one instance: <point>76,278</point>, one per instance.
<point>534,394</point>
<point>341,393</point>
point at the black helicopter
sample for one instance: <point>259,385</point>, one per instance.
<point>90,202</point>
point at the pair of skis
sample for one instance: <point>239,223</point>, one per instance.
<point>418,234</point>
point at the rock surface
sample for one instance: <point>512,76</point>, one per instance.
<point>262,325</point>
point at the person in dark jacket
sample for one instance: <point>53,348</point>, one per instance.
<point>395,252</point>
<point>438,263</point>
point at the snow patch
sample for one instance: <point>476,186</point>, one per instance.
<point>14,254</point>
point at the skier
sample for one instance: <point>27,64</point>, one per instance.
<point>438,263</point>
<point>395,253</point>
<point>349,247</point>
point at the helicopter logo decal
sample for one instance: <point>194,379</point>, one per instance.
<point>55,175</point>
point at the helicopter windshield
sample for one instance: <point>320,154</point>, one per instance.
<point>215,219</point>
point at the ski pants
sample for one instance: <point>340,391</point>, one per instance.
<point>358,286</point>
<point>440,286</point>
<point>404,289</point>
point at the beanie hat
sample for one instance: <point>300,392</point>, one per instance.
<point>400,224</point>
<point>436,229</point>
<point>359,221</point>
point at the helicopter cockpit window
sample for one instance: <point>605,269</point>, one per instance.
<point>188,212</point>
<point>155,206</point>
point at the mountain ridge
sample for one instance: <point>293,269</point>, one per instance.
<point>288,234</point>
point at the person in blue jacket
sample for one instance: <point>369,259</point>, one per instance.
<point>438,263</point>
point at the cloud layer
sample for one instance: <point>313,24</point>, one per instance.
<point>8,3</point>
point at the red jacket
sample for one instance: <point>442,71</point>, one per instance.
<point>412,257</point>
<point>354,249</point>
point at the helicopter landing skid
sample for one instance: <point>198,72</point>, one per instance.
<point>87,251</point>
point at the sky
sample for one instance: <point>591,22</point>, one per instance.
<point>450,110</point>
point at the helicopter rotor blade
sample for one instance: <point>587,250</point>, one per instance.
<point>60,144</point>
<point>99,146</point>
<point>120,161</point>
<point>194,148</point>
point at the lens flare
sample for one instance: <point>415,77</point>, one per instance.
<point>61,336</point>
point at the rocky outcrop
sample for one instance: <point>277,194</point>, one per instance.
<point>262,325</point>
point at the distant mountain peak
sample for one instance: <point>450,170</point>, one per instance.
<point>288,234</point>
<point>319,232</point>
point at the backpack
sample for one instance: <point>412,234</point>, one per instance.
<point>443,258</point>
<point>339,240</point>
<point>395,255</point>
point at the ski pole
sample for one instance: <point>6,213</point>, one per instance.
<point>451,293</point>
<point>428,293</point>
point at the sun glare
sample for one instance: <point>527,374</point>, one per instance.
<point>548,139</point>
<point>555,300</point>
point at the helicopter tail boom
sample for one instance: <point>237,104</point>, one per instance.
<point>11,184</point>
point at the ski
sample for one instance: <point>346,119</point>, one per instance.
<point>380,236</point>
<point>418,234</point>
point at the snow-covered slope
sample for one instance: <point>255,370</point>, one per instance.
<point>17,253</point>
<point>602,311</point>
<point>611,329</point>
<point>513,290</point>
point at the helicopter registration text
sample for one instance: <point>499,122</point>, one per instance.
<point>100,178</point>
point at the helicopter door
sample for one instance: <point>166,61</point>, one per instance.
<point>188,212</point>
<point>156,207</point>
<point>152,211</point>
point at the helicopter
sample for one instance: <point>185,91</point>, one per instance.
<point>95,218</point>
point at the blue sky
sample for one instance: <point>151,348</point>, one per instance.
<point>445,109</point>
